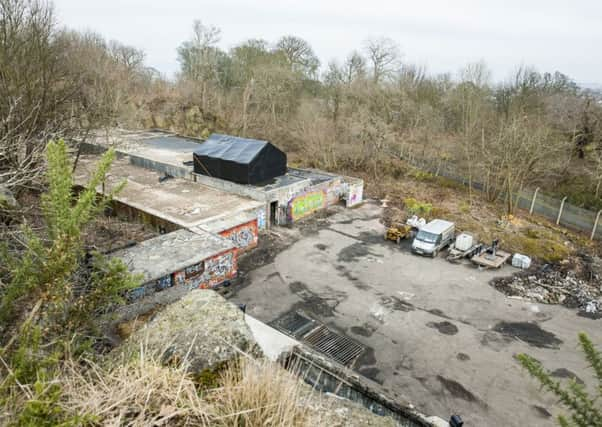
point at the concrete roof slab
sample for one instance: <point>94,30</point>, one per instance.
<point>179,201</point>
<point>162,255</point>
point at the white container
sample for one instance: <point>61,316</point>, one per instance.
<point>521,261</point>
<point>464,242</point>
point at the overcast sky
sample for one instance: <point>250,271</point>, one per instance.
<point>442,35</point>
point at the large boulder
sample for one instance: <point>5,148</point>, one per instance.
<point>200,333</point>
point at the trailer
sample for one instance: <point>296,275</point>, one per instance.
<point>456,254</point>
<point>465,246</point>
<point>491,257</point>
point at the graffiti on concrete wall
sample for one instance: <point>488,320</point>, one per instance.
<point>218,269</point>
<point>335,192</point>
<point>205,274</point>
<point>244,236</point>
<point>163,282</point>
<point>261,224</point>
<point>355,194</point>
<point>179,278</point>
<point>306,204</point>
<point>194,270</point>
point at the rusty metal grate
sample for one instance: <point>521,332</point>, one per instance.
<point>338,347</point>
<point>294,324</point>
<point>317,335</point>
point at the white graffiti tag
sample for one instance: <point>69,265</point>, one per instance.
<point>243,237</point>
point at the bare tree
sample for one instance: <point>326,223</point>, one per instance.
<point>299,55</point>
<point>516,155</point>
<point>472,92</point>
<point>384,56</point>
<point>198,57</point>
<point>130,57</point>
<point>53,83</point>
<point>354,67</point>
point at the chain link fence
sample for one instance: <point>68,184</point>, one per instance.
<point>559,211</point>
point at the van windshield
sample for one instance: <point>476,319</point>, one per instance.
<point>425,236</point>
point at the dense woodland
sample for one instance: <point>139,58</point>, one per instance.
<point>533,129</point>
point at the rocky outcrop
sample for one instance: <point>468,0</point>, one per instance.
<point>200,332</point>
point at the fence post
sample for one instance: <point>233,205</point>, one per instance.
<point>533,201</point>
<point>560,210</point>
<point>595,225</point>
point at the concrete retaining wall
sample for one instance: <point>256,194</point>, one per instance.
<point>175,171</point>
<point>131,213</point>
<point>231,187</point>
<point>329,377</point>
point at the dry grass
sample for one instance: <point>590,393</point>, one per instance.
<point>144,393</point>
<point>135,394</point>
<point>531,235</point>
<point>259,394</point>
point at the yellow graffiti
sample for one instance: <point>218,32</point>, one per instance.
<point>306,204</point>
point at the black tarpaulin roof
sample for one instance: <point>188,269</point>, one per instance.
<point>242,160</point>
<point>232,148</point>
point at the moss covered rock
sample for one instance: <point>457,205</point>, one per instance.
<point>200,333</point>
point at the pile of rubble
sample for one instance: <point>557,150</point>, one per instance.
<point>578,285</point>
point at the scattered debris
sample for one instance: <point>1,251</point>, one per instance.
<point>576,284</point>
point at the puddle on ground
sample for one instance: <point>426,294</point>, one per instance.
<point>593,316</point>
<point>531,333</point>
<point>320,306</point>
<point>372,373</point>
<point>459,391</point>
<point>394,303</point>
<point>366,330</point>
<point>438,313</point>
<point>541,411</point>
<point>565,373</point>
<point>320,246</point>
<point>462,357</point>
<point>367,358</point>
<point>355,252</point>
<point>445,327</point>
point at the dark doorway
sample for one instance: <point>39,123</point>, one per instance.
<point>273,211</point>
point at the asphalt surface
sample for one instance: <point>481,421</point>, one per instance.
<point>437,335</point>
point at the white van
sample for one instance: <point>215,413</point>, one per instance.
<point>433,237</point>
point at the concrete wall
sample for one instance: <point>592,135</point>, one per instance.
<point>231,187</point>
<point>329,377</point>
<point>131,213</point>
<point>306,204</point>
<point>206,274</point>
<point>175,171</point>
<point>218,269</point>
<point>315,198</point>
<point>355,193</point>
<point>244,236</point>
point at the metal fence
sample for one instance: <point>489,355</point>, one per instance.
<point>559,211</point>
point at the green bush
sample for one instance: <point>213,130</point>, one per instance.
<point>53,292</point>
<point>414,207</point>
